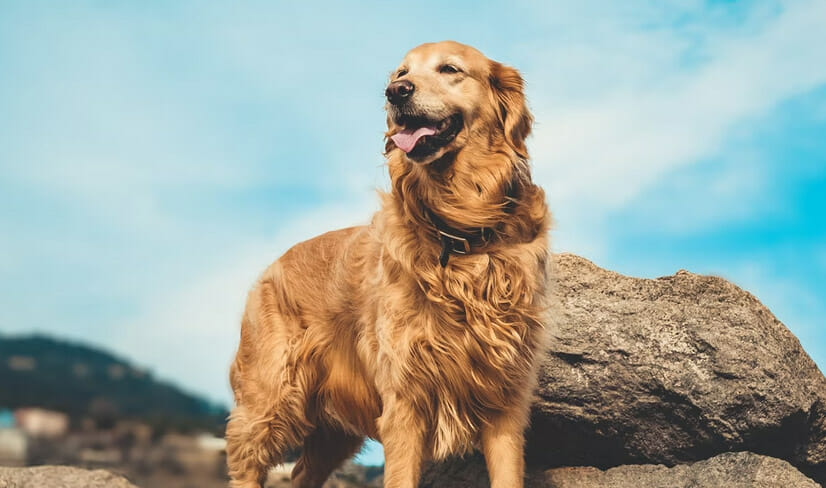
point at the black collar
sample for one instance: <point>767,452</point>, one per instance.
<point>456,241</point>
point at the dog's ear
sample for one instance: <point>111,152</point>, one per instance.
<point>507,88</point>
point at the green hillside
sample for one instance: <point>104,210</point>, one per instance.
<point>85,382</point>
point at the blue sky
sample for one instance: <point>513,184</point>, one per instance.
<point>155,156</point>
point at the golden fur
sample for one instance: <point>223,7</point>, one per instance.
<point>361,333</point>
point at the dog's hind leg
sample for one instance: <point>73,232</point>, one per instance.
<point>324,450</point>
<point>256,442</point>
<point>271,384</point>
<point>249,452</point>
<point>258,438</point>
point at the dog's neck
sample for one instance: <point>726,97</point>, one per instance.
<point>500,199</point>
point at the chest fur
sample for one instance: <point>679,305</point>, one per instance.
<point>460,343</point>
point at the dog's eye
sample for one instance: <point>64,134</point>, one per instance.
<point>401,72</point>
<point>448,69</point>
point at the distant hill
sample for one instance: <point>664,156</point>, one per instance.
<point>86,382</point>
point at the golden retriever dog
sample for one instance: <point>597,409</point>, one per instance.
<point>422,329</point>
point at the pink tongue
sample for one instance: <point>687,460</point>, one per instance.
<point>407,139</point>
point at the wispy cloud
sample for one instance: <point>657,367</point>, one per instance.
<point>204,310</point>
<point>663,97</point>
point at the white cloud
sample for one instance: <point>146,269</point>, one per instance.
<point>603,146</point>
<point>190,329</point>
<point>694,198</point>
<point>115,109</point>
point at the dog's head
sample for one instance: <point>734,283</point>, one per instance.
<point>445,95</point>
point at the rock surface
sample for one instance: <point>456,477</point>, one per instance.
<point>729,470</point>
<point>60,477</point>
<point>671,370</point>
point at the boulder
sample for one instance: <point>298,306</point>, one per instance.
<point>671,370</point>
<point>729,470</point>
<point>60,477</point>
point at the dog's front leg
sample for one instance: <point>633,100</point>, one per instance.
<point>503,441</point>
<point>402,435</point>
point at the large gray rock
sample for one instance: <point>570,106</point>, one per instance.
<point>729,470</point>
<point>671,370</point>
<point>60,477</point>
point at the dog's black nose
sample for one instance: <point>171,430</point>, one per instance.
<point>399,91</point>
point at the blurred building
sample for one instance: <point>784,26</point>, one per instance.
<point>21,363</point>
<point>13,447</point>
<point>39,422</point>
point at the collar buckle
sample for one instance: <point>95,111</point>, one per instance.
<point>454,243</point>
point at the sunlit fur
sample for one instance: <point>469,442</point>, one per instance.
<point>361,333</point>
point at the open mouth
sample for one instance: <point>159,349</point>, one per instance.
<point>422,137</point>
